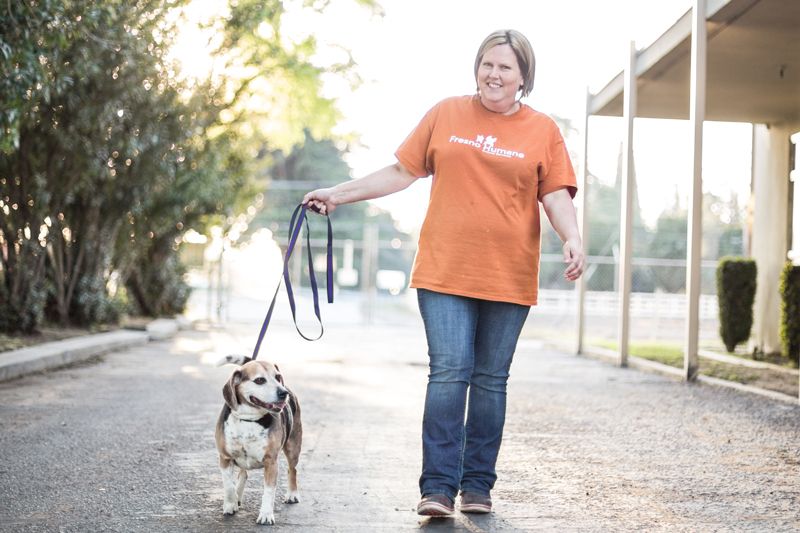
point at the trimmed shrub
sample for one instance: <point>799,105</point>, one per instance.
<point>790,312</point>
<point>736,290</point>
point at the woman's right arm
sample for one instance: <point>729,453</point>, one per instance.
<point>380,183</point>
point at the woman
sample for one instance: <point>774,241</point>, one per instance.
<point>492,159</point>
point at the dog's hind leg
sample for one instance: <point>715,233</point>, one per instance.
<point>240,485</point>
<point>292,452</point>
<point>230,504</point>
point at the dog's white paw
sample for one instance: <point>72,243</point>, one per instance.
<point>267,518</point>
<point>230,507</point>
<point>293,497</point>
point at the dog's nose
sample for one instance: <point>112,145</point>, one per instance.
<point>282,394</point>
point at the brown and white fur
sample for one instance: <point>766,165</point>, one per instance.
<point>260,418</point>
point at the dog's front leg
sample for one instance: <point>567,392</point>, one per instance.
<point>240,485</point>
<point>267,513</point>
<point>230,502</point>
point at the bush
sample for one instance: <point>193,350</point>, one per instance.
<point>93,305</point>
<point>22,315</point>
<point>158,288</point>
<point>790,312</point>
<point>736,290</point>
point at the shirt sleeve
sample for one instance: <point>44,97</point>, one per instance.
<point>558,172</point>
<point>413,152</point>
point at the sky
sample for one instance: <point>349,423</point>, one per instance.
<point>421,51</point>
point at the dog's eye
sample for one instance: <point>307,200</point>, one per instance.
<point>259,381</point>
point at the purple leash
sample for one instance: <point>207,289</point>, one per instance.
<point>299,216</point>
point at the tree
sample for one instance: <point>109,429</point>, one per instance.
<point>108,155</point>
<point>722,235</point>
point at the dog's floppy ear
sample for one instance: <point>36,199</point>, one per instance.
<point>229,390</point>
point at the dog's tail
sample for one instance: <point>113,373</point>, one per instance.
<point>234,360</point>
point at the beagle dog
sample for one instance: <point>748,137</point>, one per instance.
<point>260,418</point>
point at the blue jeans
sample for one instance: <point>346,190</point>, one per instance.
<point>470,343</point>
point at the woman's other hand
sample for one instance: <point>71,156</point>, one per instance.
<point>573,256</point>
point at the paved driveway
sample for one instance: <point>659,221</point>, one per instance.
<point>126,443</point>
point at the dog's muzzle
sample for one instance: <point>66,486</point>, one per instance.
<point>275,407</point>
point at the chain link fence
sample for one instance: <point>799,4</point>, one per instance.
<point>658,305</point>
<point>373,274</point>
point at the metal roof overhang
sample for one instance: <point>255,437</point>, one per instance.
<point>753,66</point>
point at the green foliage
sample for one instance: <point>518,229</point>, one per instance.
<point>108,155</point>
<point>736,291</point>
<point>790,312</point>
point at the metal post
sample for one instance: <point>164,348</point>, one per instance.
<point>369,264</point>
<point>794,175</point>
<point>583,223</point>
<point>220,303</point>
<point>697,110</point>
<point>626,207</point>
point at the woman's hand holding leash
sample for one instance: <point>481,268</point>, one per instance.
<point>319,201</point>
<point>385,181</point>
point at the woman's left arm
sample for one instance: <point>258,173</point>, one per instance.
<point>561,213</point>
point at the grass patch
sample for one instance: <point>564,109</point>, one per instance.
<point>741,353</point>
<point>661,352</point>
<point>9,342</point>
<point>728,372</point>
<point>672,354</point>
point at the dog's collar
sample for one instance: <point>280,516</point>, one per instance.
<point>248,418</point>
<point>263,420</point>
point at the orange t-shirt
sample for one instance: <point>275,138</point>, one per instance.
<point>481,233</point>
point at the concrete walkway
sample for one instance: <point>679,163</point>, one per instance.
<point>126,444</point>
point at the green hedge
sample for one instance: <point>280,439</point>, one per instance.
<point>790,312</point>
<point>736,290</point>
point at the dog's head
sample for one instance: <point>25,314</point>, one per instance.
<point>256,387</point>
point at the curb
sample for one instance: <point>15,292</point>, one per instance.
<point>50,355</point>
<point>653,367</point>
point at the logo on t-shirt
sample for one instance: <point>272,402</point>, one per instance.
<point>486,144</point>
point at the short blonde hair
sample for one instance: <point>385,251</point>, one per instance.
<point>522,49</point>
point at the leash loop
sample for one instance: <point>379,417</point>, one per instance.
<point>299,217</point>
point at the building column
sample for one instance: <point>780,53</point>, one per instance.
<point>626,208</point>
<point>583,223</point>
<point>697,115</point>
<point>794,177</point>
<point>770,228</point>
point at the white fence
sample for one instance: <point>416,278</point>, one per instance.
<point>603,304</point>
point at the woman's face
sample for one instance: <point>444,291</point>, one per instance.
<point>499,78</point>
